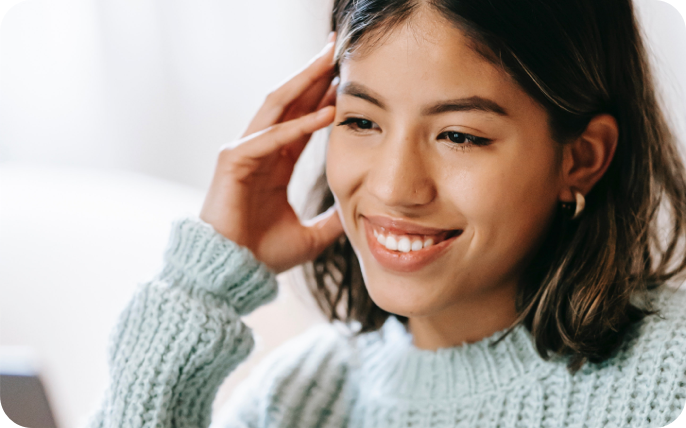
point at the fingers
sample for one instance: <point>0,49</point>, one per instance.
<point>278,136</point>
<point>323,230</point>
<point>278,101</point>
<point>308,100</point>
<point>329,99</point>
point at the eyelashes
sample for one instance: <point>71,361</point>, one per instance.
<point>357,124</point>
<point>461,138</point>
<point>457,139</point>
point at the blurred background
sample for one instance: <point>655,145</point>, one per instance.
<point>111,117</point>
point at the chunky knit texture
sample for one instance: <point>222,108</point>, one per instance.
<point>181,335</point>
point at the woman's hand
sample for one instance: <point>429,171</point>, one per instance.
<point>247,200</point>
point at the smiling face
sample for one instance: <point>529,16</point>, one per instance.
<point>452,163</point>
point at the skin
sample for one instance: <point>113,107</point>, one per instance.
<point>502,195</point>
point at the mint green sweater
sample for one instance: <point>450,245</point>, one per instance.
<point>181,335</point>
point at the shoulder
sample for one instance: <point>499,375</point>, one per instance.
<point>654,358</point>
<point>667,327</point>
<point>313,353</point>
<point>672,301</point>
<point>308,372</point>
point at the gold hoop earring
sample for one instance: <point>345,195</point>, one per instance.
<point>575,207</point>
<point>580,204</point>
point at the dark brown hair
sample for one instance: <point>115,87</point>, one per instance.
<point>578,58</point>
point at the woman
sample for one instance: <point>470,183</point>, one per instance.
<point>503,206</point>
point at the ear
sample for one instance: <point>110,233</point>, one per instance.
<point>586,159</point>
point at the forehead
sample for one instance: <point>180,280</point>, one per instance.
<point>424,59</point>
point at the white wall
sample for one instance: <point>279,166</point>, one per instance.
<point>666,36</point>
<point>111,114</point>
<point>144,85</point>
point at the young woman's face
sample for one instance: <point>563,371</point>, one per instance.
<point>442,154</point>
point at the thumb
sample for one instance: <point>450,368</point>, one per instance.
<point>323,230</point>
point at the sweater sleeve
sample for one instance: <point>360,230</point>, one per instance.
<point>181,333</point>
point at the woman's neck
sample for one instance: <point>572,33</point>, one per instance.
<point>468,322</point>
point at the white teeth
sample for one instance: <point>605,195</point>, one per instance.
<point>404,245</point>
<point>391,243</point>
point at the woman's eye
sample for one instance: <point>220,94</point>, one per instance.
<point>461,138</point>
<point>357,124</point>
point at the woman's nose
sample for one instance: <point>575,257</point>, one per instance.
<point>401,175</point>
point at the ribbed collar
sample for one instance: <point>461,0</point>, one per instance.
<point>391,366</point>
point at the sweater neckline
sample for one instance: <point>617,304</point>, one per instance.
<point>397,368</point>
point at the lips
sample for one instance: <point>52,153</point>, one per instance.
<point>404,227</point>
<point>406,247</point>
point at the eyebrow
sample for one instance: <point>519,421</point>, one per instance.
<point>474,103</point>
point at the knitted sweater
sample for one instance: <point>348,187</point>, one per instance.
<point>181,335</point>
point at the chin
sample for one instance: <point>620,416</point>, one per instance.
<point>401,296</point>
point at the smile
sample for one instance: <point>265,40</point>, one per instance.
<point>408,242</point>
<point>405,247</point>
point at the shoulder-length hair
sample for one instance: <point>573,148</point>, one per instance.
<point>589,281</point>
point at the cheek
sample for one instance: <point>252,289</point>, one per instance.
<point>529,184</point>
<point>337,162</point>
<point>345,171</point>
<point>508,199</point>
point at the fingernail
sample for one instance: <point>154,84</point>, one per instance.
<point>336,80</point>
<point>331,36</point>
<point>323,112</point>
<point>326,49</point>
